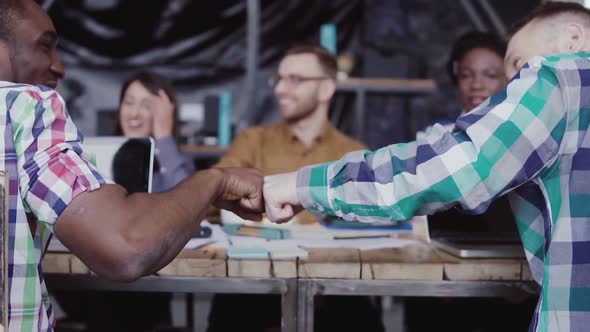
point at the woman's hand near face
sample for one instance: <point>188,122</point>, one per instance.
<point>163,115</point>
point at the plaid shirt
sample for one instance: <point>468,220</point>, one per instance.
<point>47,169</point>
<point>530,141</point>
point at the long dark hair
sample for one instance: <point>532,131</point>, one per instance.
<point>153,83</point>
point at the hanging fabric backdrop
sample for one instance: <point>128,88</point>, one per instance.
<point>194,42</point>
<point>200,45</point>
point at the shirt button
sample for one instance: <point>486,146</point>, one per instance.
<point>163,169</point>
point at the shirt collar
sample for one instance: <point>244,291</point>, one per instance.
<point>327,132</point>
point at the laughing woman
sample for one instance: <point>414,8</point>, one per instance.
<point>148,108</point>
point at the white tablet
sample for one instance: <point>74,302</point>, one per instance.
<point>126,161</point>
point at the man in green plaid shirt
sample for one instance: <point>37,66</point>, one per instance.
<point>530,142</point>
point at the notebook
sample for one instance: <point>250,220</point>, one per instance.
<point>490,235</point>
<point>127,161</point>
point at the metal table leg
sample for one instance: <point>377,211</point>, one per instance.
<point>201,309</point>
<point>301,294</point>
<point>289,307</point>
<point>305,306</point>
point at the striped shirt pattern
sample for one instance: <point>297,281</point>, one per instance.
<point>47,168</point>
<point>530,141</point>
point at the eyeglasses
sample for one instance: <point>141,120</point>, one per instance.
<point>292,81</point>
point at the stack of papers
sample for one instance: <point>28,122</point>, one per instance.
<point>301,237</point>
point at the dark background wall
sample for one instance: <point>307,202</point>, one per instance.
<point>201,45</point>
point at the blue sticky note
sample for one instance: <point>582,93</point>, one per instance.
<point>247,253</point>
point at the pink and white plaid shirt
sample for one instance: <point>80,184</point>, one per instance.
<point>47,169</point>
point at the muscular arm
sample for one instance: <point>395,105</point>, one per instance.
<point>124,236</point>
<point>117,235</point>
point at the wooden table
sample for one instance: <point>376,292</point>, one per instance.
<point>199,272</point>
<point>408,272</point>
<point>417,270</point>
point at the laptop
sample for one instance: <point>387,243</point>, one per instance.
<point>492,234</point>
<point>127,161</point>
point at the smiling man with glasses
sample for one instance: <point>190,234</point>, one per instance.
<point>304,85</point>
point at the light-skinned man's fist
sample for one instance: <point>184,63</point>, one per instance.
<point>280,197</point>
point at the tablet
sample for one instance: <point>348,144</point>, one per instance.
<point>124,160</point>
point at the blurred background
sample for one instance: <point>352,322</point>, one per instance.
<point>211,47</point>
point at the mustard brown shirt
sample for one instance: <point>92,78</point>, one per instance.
<point>273,149</point>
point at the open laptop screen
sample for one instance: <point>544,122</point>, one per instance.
<point>127,161</point>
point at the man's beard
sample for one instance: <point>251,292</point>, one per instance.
<point>300,115</point>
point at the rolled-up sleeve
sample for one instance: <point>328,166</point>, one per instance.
<point>53,168</point>
<point>502,144</point>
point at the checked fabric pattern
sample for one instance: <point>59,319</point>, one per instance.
<point>530,141</point>
<point>47,168</point>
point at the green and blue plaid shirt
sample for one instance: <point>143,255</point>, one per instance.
<point>530,141</point>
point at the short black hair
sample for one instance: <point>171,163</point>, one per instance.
<point>10,12</point>
<point>470,41</point>
<point>153,83</point>
<point>326,59</point>
<point>548,10</point>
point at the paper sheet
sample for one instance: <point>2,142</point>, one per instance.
<point>218,237</point>
<point>303,237</point>
<point>361,244</point>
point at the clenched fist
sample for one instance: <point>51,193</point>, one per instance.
<point>280,195</point>
<point>241,192</point>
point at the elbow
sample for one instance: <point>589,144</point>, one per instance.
<point>125,271</point>
<point>125,265</point>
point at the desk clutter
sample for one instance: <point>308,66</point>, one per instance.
<point>263,251</point>
<point>250,240</point>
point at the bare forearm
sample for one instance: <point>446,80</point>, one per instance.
<point>166,221</point>
<point>124,236</point>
